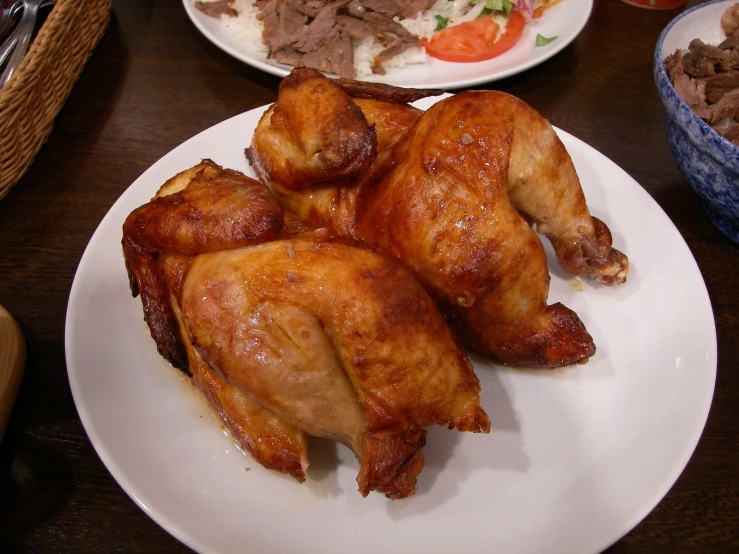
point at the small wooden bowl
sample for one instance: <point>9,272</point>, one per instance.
<point>12,363</point>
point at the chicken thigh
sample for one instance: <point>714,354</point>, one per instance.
<point>338,341</point>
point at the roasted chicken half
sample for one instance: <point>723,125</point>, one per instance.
<point>455,194</point>
<point>291,333</point>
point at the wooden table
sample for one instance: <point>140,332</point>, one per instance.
<point>153,82</point>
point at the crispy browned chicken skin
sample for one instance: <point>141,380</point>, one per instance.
<point>203,209</point>
<point>289,332</point>
<point>451,194</point>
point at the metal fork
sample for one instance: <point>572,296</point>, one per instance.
<point>8,8</point>
<point>8,44</point>
<point>18,41</point>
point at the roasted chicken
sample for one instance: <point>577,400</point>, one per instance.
<point>455,194</point>
<point>289,332</point>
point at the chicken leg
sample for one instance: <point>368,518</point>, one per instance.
<point>451,194</point>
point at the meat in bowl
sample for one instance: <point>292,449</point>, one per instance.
<point>706,77</point>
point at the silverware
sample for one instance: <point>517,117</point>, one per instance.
<point>7,46</point>
<point>8,9</point>
<point>20,37</point>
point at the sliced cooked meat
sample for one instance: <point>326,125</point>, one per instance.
<point>283,23</point>
<point>397,46</point>
<point>692,92</point>
<point>703,59</point>
<point>726,108</point>
<point>217,8</point>
<point>674,65</point>
<point>390,8</point>
<point>319,33</point>
<point>729,43</point>
<point>393,36</point>
<point>323,28</point>
<point>334,56</point>
<point>720,84</point>
<point>706,77</point>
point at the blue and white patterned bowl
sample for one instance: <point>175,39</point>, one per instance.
<point>709,162</point>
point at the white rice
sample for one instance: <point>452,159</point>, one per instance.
<point>247,29</point>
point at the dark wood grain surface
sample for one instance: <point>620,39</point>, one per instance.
<point>153,82</point>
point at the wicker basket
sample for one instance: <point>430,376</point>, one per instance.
<point>41,84</point>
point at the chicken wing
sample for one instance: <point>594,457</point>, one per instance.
<point>452,194</point>
<point>305,335</point>
<point>206,208</point>
<point>202,209</point>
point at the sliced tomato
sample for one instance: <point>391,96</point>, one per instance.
<point>476,40</point>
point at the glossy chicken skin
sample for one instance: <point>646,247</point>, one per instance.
<point>268,438</point>
<point>452,194</point>
<point>338,341</point>
<point>305,336</point>
<point>202,209</point>
<point>219,209</point>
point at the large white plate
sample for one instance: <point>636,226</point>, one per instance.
<point>564,21</point>
<point>576,457</point>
